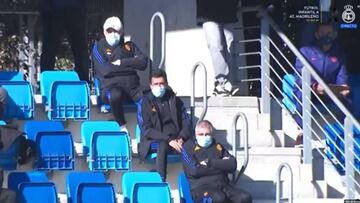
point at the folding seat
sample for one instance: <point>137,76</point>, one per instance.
<point>130,179</point>
<point>65,96</point>
<point>20,103</point>
<point>88,128</point>
<point>16,178</point>
<point>110,150</point>
<point>95,193</point>
<point>32,192</point>
<point>55,150</point>
<point>151,192</point>
<point>184,189</point>
<point>31,128</point>
<point>74,179</point>
<point>171,157</point>
<point>11,76</point>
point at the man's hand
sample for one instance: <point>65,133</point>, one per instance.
<point>176,145</point>
<point>117,62</point>
<point>319,89</point>
<point>342,90</point>
<point>180,141</point>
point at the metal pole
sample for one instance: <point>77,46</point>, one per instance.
<point>162,22</point>
<point>265,70</point>
<point>349,158</point>
<point>245,137</point>
<point>278,188</point>
<point>192,90</point>
<point>306,113</point>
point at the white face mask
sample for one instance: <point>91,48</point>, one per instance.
<point>112,38</point>
<point>158,91</point>
<point>204,140</point>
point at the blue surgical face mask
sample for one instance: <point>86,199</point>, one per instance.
<point>204,140</point>
<point>158,91</point>
<point>113,38</point>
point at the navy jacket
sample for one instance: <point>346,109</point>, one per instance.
<point>152,127</point>
<point>217,169</point>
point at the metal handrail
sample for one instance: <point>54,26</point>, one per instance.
<point>278,175</point>
<point>245,136</point>
<point>162,22</point>
<point>192,90</point>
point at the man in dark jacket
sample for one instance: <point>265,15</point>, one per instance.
<point>116,63</point>
<point>213,15</point>
<point>165,121</point>
<point>207,165</point>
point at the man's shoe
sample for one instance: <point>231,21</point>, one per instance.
<point>220,92</point>
<point>299,141</point>
<point>230,89</point>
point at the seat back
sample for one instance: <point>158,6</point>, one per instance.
<point>47,78</point>
<point>31,128</point>
<point>55,150</point>
<point>15,178</point>
<point>151,192</point>
<point>20,103</point>
<point>129,179</point>
<point>288,88</point>
<point>88,128</point>
<point>184,188</point>
<point>95,193</point>
<point>11,76</point>
<point>7,161</point>
<point>37,192</point>
<point>69,100</point>
<point>110,150</point>
<point>74,179</point>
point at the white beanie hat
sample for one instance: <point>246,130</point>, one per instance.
<point>114,23</point>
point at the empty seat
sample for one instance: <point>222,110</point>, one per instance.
<point>184,188</point>
<point>129,179</point>
<point>31,128</point>
<point>11,76</point>
<point>110,150</point>
<point>151,192</point>
<point>31,192</point>
<point>95,193</point>
<point>16,178</point>
<point>20,103</point>
<point>74,179</point>
<point>88,128</point>
<point>55,150</point>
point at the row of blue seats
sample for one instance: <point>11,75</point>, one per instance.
<point>90,187</point>
<point>64,95</point>
<point>104,146</point>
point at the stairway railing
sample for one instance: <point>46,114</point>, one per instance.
<point>290,183</point>
<point>192,90</point>
<point>162,22</point>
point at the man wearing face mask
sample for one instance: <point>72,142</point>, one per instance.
<point>207,164</point>
<point>327,58</point>
<point>165,125</point>
<point>116,63</point>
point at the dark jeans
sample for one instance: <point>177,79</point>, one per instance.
<point>163,149</point>
<point>222,194</point>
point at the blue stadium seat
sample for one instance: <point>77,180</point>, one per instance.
<point>110,150</point>
<point>55,150</point>
<point>171,158</point>
<point>47,78</point>
<point>31,128</point>
<point>104,108</point>
<point>129,179</point>
<point>74,179</point>
<point>11,76</point>
<point>7,162</point>
<point>88,128</point>
<point>2,122</point>
<point>16,178</point>
<point>151,192</point>
<point>69,100</point>
<point>95,193</point>
<point>31,192</point>
<point>20,102</point>
<point>184,189</point>
<point>288,87</point>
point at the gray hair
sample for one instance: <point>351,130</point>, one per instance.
<point>205,124</point>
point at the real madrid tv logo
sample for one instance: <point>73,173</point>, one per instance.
<point>348,15</point>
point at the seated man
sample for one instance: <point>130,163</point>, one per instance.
<point>207,165</point>
<point>165,121</point>
<point>116,63</point>
<point>327,58</point>
<point>6,195</point>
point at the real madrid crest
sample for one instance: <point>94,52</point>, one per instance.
<point>348,15</point>
<point>108,52</point>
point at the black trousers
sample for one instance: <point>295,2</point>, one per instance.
<point>220,194</point>
<point>55,23</point>
<point>117,95</point>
